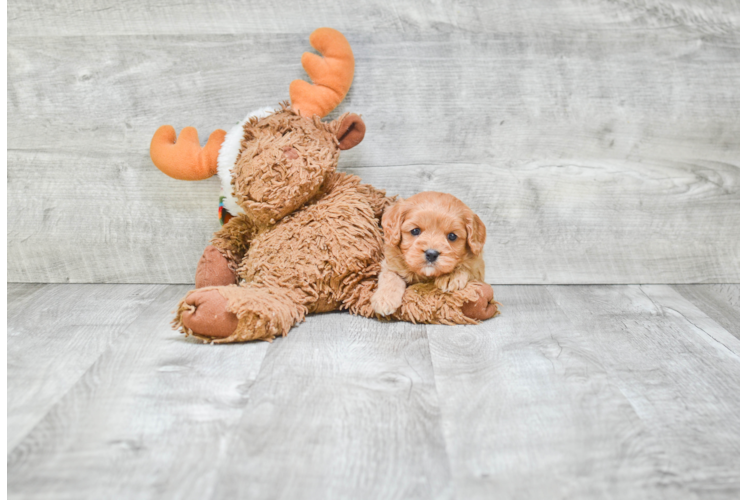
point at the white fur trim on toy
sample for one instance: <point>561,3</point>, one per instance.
<point>228,155</point>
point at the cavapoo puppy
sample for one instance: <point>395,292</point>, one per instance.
<point>429,236</point>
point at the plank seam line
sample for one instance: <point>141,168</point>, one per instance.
<point>730,352</point>
<point>443,431</point>
<point>117,336</point>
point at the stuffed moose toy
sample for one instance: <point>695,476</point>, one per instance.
<point>297,236</point>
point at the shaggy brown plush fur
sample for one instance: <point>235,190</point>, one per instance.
<point>310,240</point>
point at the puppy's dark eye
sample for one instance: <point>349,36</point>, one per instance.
<point>415,232</point>
<point>451,236</point>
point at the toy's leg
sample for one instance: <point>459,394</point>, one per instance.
<point>484,307</point>
<point>230,243</point>
<point>238,314</point>
<point>213,269</point>
<point>204,313</point>
<point>426,303</point>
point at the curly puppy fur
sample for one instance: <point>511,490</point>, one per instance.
<point>430,237</point>
<point>309,240</point>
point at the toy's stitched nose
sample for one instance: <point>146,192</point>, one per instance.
<point>290,153</point>
<point>431,255</point>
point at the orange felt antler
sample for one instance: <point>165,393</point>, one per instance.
<point>332,74</point>
<point>183,158</point>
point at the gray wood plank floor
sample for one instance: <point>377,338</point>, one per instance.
<point>598,140</point>
<point>622,391</point>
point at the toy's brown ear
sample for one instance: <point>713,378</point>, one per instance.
<point>476,233</point>
<point>392,222</point>
<point>351,131</point>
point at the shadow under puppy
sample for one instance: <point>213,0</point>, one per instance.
<point>429,237</point>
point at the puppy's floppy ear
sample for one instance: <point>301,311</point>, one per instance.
<point>392,222</point>
<point>476,233</point>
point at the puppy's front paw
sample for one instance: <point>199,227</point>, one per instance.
<point>452,282</point>
<point>384,303</point>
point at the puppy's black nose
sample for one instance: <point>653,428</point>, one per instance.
<point>431,255</point>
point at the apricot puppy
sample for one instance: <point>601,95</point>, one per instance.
<point>428,237</point>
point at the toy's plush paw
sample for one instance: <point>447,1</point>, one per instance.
<point>484,308</point>
<point>452,282</point>
<point>207,314</point>
<point>213,269</point>
<point>385,303</point>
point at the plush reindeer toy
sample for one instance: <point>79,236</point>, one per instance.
<point>297,236</point>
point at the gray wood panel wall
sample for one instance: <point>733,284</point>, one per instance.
<point>599,141</point>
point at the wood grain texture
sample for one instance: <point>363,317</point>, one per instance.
<point>589,222</point>
<point>549,224</point>
<point>55,334</point>
<point>600,150</point>
<point>108,17</point>
<point>720,302</point>
<point>530,410</point>
<point>344,407</point>
<point>150,418</point>
<point>574,391</point>
<point>678,369</point>
<point>121,223</point>
<point>454,97</point>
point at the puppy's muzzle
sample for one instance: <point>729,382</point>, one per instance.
<point>431,255</point>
